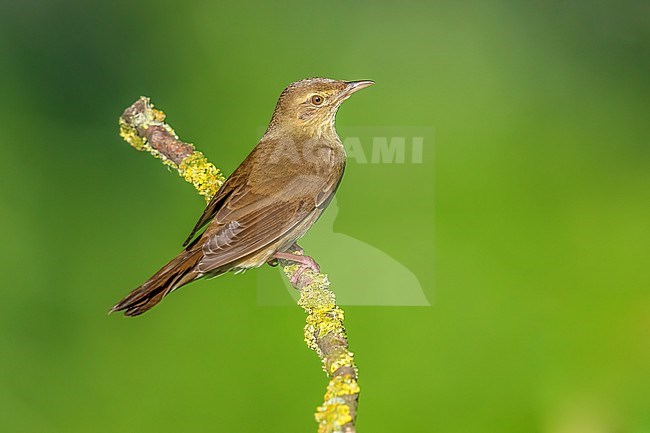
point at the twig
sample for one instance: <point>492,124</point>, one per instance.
<point>144,128</point>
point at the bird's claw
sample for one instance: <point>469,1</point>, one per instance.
<point>306,263</point>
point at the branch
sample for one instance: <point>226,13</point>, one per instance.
<point>144,128</point>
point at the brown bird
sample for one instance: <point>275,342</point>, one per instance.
<point>270,200</point>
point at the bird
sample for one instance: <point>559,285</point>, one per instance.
<point>269,201</point>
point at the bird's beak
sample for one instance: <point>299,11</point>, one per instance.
<point>353,86</point>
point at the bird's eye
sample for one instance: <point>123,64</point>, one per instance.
<point>317,99</point>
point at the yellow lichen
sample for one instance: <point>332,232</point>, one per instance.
<point>130,135</point>
<point>320,323</point>
<point>329,322</point>
<point>343,359</point>
<point>314,298</point>
<point>332,415</point>
<point>157,115</point>
<point>202,174</point>
<point>340,386</point>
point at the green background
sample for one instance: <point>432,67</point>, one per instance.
<point>537,273</point>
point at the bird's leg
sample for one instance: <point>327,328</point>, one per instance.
<point>305,262</point>
<point>294,248</point>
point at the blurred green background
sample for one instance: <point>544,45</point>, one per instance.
<point>537,273</point>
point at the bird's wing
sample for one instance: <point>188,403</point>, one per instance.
<point>230,186</point>
<point>250,220</point>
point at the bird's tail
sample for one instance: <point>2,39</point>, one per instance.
<point>173,275</point>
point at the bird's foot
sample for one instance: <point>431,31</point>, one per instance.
<point>305,262</point>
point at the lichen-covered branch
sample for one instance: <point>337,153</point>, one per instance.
<point>325,334</point>
<point>144,128</point>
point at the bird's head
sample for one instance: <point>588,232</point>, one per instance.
<point>310,105</point>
